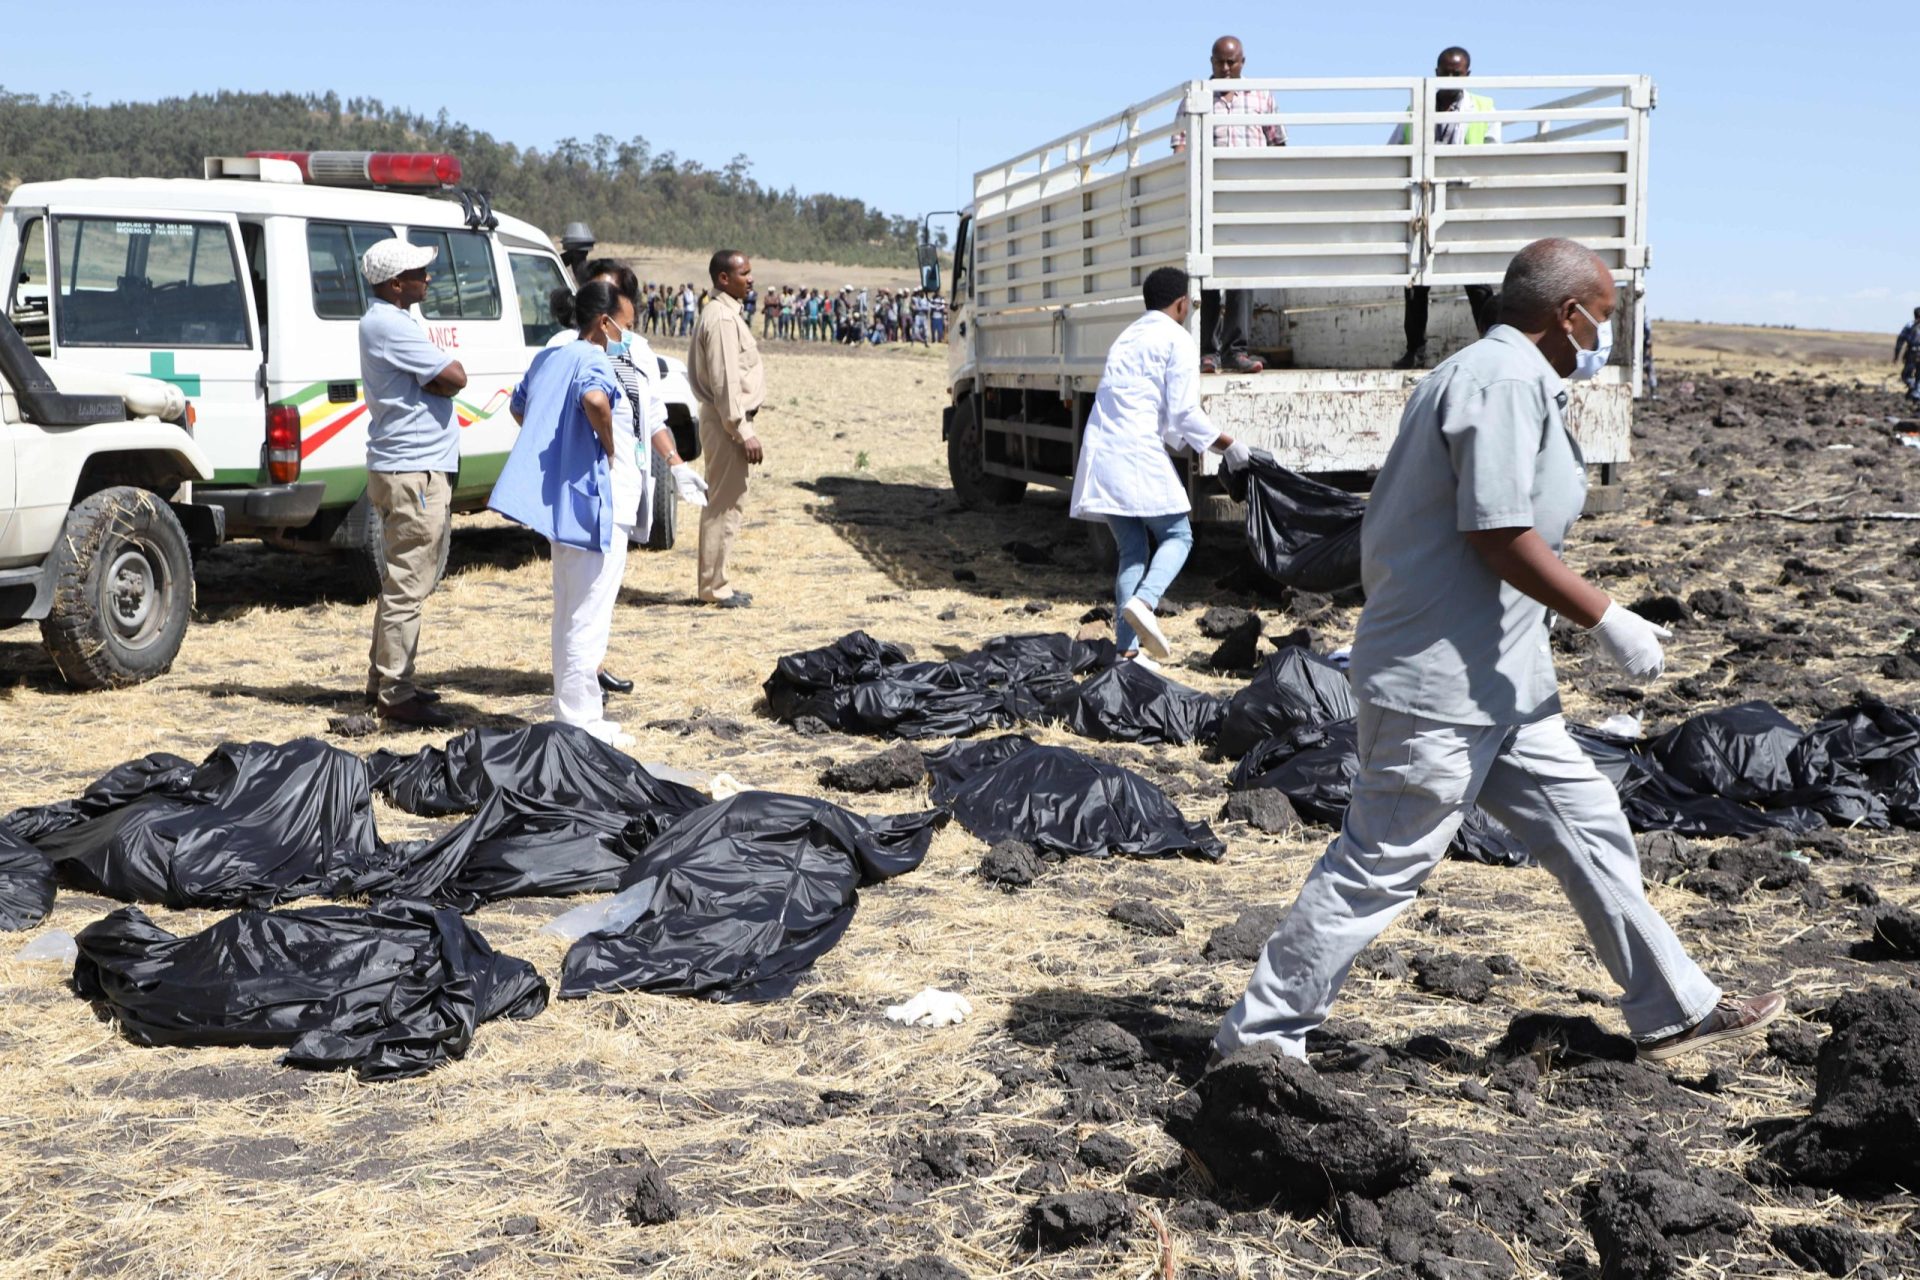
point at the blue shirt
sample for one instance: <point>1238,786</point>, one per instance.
<point>409,428</point>
<point>556,480</point>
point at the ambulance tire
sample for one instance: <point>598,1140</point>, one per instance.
<point>666,506</point>
<point>122,590</point>
<point>360,538</point>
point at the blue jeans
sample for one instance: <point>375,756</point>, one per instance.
<point>1147,569</point>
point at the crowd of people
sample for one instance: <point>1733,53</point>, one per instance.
<point>853,317</point>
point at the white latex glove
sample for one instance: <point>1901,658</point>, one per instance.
<point>691,488</point>
<point>931,1008</point>
<point>1237,455</point>
<point>1631,641</point>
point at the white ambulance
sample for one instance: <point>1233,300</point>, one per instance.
<point>243,288</point>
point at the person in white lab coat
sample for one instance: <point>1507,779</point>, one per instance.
<point>1149,400</point>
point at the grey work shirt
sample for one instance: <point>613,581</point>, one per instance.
<point>409,428</point>
<point>1483,444</point>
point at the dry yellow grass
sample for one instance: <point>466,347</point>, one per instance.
<point>158,1163</point>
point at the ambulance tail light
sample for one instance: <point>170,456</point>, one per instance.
<point>371,168</point>
<point>283,443</point>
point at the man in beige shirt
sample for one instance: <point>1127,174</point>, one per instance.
<point>723,364</point>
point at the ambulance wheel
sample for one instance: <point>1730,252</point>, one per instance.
<point>966,463</point>
<point>360,538</point>
<point>122,590</point>
<point>666,506</point>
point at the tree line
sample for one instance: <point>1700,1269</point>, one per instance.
<point>626,191</point>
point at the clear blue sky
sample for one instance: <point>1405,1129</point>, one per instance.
<point>1785,186</point>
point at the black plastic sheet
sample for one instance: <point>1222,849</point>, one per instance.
<point>1294,689</point>
<point>1128,703</point>
<point>1060,801</point>
<point>1655,801</point>
<point>392,991</point>
<point>1873,741</point>
<point>860,685</point>
<point>26,883</point>
<point>743,896</point>
<point>252,825</point>
<point>1302,533</point>
<point>542,762</point>
<point>1752,754</point>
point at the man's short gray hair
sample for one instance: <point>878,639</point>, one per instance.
<point>1542,277</point>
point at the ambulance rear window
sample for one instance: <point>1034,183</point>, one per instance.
<point>462,284</point>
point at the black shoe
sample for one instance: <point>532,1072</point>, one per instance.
<point>738,600</point>
<point>427,696</point>
<point>610,683</point>
<point>1416,358</point>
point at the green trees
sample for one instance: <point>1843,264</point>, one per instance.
<point>624,190</point>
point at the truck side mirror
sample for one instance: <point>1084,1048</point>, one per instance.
<point>929,267</point>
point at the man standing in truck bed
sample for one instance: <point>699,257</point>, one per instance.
<point>1453,62</point>
<point>1226,315</point>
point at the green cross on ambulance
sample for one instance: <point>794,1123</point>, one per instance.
<point>243,288</point>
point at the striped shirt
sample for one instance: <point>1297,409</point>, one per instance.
<point>1253,102</point>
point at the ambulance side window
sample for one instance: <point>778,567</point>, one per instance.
<point>333,264</point>
<point>140,282</point>
<point>27,301</point>
<point>534,279</point>
<point>463,284</point>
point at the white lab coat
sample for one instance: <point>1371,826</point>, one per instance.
<point>1149,401</point>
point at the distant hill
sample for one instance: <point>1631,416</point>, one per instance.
<point>623,190</point>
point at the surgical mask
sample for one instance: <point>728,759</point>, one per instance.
<point>621,347</point>
<point>1587,364</point>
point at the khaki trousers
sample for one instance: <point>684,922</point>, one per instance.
<point>414,521</point>
<point>726,501</point>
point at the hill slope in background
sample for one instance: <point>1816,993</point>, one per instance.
<point>624,190</point>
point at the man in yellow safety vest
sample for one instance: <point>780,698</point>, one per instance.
<point>1480,297</point>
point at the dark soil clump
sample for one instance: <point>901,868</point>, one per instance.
<point>1645,1222</point>
<point>1243,939</point>
<point>1898,930</point>
<point>1821,1247</point>
<point>1270,1128</point>
<point>1075,1218</point>
<point>1263,809</point>
<point>1011,865</point>
<point>628,1185</point>
<point>1147,917</point>
<point>1461,977</point>
<point>894,769</point>
<point>1864,1128</point>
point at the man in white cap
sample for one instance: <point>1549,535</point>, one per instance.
<point>413,453</point>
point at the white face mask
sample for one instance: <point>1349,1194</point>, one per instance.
<point>1588,364</point>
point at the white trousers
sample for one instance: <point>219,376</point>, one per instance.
<point>1417,779</point>
<point>586,585</point>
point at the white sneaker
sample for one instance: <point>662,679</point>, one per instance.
<point>1140,617</point>
<point>1142,660</point>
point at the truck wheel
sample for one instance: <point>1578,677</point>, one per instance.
<point>666,506</point>
<point>122,590</point>
<point>966,456</point>
<point>360,537</point>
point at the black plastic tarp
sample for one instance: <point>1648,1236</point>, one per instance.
<point>860,685</point>
<point>1875,742</point>
<point>1061,801</point>
<point>1656,801</point>
<point>1302,533</point>
<point>1294,689</point>
<point>542,762</point>
<point>1128,703</point>
<point>1752,754</point>
<point>391,991</point>
<point>252,825</point>
<point>26,883</point>
<point>743,896</point>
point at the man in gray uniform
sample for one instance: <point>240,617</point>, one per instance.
<point>1458,698</point>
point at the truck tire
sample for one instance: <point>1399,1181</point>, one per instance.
<point>359,536</point>
<point>666,506</point>
<point>122,590</point>
<point>966,456</point>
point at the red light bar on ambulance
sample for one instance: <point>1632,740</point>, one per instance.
<point>371,168</point>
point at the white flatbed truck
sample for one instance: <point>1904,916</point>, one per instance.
<point>1327,231</point>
